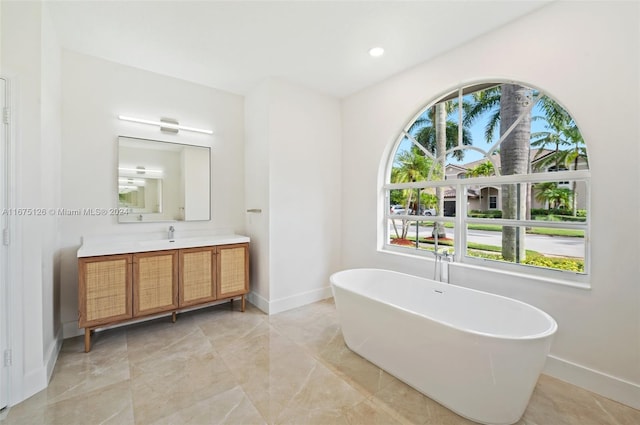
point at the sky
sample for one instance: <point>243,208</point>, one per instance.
<point>477,136</point>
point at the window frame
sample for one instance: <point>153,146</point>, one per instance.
<point>461,219</point>
<point>493,200</point>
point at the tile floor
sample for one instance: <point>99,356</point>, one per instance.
<point>218,366</point>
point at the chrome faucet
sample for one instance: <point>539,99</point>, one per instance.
<point>440,273</point>
<point>171,230</point>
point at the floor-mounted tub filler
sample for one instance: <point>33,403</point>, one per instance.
<point>476,353</point>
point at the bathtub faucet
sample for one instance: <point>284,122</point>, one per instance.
<point>441,267</point>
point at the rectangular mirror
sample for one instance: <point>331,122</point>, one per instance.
<point>163,181</point>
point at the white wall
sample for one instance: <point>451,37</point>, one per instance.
<point>94,92</point>
<point>50,147</point>
<point>256,192</point>
<point>584,54</point>
<point>31,59</point>
<point>301,140</point>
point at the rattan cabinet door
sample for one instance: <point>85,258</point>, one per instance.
<point>233,270</point>
<point>197,282</point>
<point>155,282</point>
<point>104,289</point>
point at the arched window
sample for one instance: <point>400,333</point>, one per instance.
<point>497,173</point>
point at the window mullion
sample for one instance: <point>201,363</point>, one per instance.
<point>495,180</point>
<point>460,125</point>
<point>460,228</point>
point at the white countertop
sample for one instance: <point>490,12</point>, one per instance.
<point>93,247</point>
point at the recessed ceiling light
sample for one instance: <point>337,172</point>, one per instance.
<point>376,52</point>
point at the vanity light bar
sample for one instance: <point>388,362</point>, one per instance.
<point>164,124</point>
<point>131,181</point>
<point>139,170</point>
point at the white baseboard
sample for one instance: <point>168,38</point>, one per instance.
<point>52,354</point>
<point>601,383</point>
<point>37,380</point>
<point>71,329</point>
<point>291,302</point>
<point>258,301</point>
<point>34,382</point>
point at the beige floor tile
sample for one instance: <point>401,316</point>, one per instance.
<point>271,371</point>
<point>413,406</point>
<point>230,407</point>
<point>321,396</point>
<point>177,385</point>
<point>554,401</point>
<point>77,372</point>
<point>354,369</point>
<point>370,413</point>
<point>221,366</point>
<point>107,405</point>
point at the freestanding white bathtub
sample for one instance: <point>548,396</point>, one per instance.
<point>476,353</point>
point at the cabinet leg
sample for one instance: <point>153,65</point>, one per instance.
<point>87,340</point>
<point>174,316</point>
<point>243,305</point>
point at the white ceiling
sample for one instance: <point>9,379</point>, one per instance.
<point>232,45</point>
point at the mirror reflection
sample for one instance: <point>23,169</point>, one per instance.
<point>162,181</point>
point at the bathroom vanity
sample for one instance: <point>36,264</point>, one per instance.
<point>121,281</point>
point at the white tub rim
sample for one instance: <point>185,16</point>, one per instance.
<point>536,336</point>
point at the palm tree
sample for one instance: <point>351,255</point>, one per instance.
<point>410,166</point>
<point>554,196</point>
<point>440,115</point>
<point>425,130</point>
<point>514,159</point>
<point>482,170</point>
<point>508,105</point>
<point>484,102</point>
<point>437,135</point>
<point>562,132</point>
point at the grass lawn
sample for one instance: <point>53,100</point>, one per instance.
<point>493,252</point>
<point>534,231</point>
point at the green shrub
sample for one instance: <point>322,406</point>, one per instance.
<point>572,218</point>
<point>485,214</point>
<point>569,264</point>
<point>534,259</point>
<point>556,217</point>
<point>555,211</point>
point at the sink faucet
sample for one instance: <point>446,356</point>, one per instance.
<point>171,230</point>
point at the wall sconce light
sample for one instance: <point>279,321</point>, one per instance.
<point>166,124</point>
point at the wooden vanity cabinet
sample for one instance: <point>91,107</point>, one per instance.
<point>233,271</point>
<point>104,290</point>
<point>197,276</point>
<point>155,282</point>
<point>121,287</point>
